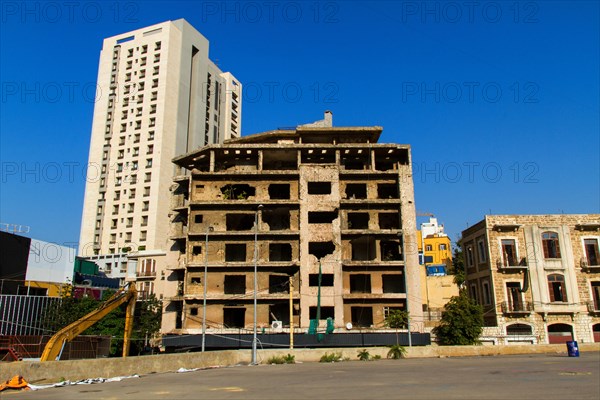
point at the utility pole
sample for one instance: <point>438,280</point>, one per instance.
<point>427,288</point>
<point>254,338</point>
<point>291,312</point>
<point>401,234</point>
<point>319,296</point>
<point>208,229</point>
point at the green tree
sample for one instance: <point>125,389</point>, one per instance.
<point>462,321</point>
<point>148,316</point>
<point>397,319</point>
<point>146,322</point>
<point>68,310</point>
<point>458,264</point>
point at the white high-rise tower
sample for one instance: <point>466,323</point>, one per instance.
<point>159,96</point>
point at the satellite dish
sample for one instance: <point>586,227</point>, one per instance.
<point>349,325</point>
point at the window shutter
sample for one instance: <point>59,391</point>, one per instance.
<point>556,244</point>
<point>551,290</point>
<point>563,291</point>
<point>545,246</point>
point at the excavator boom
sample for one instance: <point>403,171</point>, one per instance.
<point>56,343</point>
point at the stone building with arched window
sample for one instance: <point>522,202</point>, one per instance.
<point>536,276</point>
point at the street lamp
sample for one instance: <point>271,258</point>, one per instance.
<point>254,339</point>
<point>208,230</point>
<point>401,235</point>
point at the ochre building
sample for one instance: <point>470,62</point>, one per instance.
<point>324,212</point>
<point>537,277</point>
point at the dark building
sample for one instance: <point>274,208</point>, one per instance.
<point>14,254</point>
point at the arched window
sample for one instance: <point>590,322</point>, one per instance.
<point>557,289</point>
<point>596,332</point>
<point>550,245</point>
<point>559,333</point>
<point>519,330</point>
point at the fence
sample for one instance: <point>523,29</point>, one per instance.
<point>22,315</point>
<point>281,340</point>
<point>82,347</point>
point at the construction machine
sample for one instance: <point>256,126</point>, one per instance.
<point>56,344</point>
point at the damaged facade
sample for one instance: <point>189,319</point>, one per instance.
<point>537,277</point>
<point>334,211</point>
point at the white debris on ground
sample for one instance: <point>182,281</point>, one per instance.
<point>92,381</point>
<point>187,369</point>
<point>89,381</point>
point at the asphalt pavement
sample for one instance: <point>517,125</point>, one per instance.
<point>499,377</point>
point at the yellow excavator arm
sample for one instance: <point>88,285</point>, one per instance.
<point>56,343</point>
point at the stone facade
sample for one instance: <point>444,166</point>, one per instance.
<point>315,202</point>
<point>537,276</point>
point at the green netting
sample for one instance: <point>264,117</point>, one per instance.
<point>312,327</point>
<point>330,326</point>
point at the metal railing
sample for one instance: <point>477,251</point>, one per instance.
<point>145,273</point>
<point>523,307</point>
<point>511,262</point>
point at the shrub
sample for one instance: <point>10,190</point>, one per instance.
<point>288,359</point>
<point>363,355</point>
<point>276,360</point>
<point>396,352</point>
<point>333,357</point>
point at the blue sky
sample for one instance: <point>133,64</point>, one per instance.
<point>499,100</point>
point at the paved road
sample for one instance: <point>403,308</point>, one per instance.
<point>502,377</point>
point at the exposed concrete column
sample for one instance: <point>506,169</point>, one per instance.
<point>330,263</point>
<point>538,275</point>
<point>411,258</point>
<point>569,265</point>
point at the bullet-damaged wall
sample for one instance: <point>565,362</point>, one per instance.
<point>327,206</point>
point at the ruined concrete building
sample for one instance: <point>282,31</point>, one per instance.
<point>325,209</point>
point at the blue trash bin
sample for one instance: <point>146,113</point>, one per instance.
<point>572,349</point>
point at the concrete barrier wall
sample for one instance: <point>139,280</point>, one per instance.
<point>55,371</point>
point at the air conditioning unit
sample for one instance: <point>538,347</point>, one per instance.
<point>277,326</point>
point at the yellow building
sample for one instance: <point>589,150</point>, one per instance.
<point>436,291</point>
<point>435,256</point>
<point>437,246</point>
<point>51,289</point>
